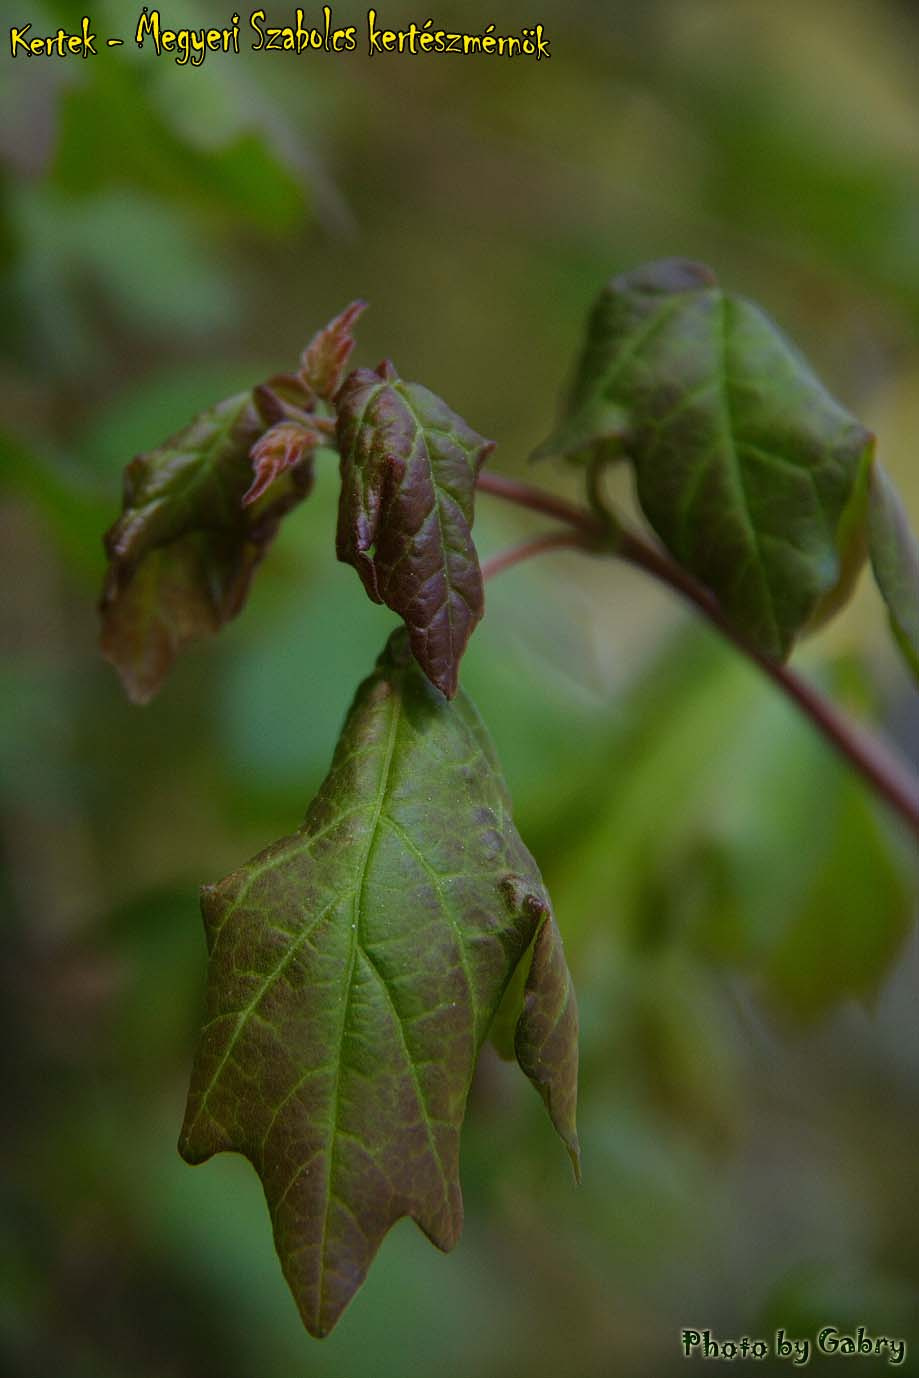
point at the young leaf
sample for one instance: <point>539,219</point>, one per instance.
<point>182,554</point>
<point>200,510</point>
<point>746,467</point>
<point>322,366</point>
<point>286,445</point>
<point>895,561</point>
<point>355,968</point>
<point>409,467</point>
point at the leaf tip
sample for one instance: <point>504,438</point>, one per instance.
<point>665,276</point>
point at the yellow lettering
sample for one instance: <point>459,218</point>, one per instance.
<point>148,24</point>
<point>60,44</point>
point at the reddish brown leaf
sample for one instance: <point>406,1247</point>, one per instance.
<point>409,467</point>
<point>279,449</point>
<point>182,554</point>
<point>322,366</point>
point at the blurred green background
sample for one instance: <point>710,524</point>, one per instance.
<point>738,913</point>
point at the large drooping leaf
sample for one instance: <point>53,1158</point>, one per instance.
<point>748,470</point>
<point>182,554</point>
<point>895,561</point>
<point>409,467</point>
<point>355,968</point>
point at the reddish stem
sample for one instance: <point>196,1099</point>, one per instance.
<point>538,500</point>
<point>539,545</point>
<point>878,766</point>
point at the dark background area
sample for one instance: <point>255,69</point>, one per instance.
<point>737,911</point>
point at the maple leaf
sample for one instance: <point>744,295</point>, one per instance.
<point>355,969</point>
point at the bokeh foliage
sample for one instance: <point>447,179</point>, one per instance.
<point>736,910</point>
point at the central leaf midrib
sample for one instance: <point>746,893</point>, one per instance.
<point>357,908</point>
<point>736,468</point>
<point>640,340</point>
<point>420,435</point>
<point>448,911</point>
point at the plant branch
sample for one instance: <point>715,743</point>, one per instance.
<point>538,545</point>
<point>538,500</point>
<point>893,782</point>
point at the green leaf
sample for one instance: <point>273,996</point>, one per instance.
<point>746,467</point>
<point>355,968</point>
<point>182,554</point>
<point>895,561</point>
<point>546,1038</point>
<point>409,467</point>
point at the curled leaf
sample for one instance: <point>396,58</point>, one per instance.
<point>409,467</point>
<point>284,446</point>
<point>355,969</point>
<point>895,561</point>
<point>546,1037</point>
<point>196,519</point>
<point>182,554</point>
<point>746,467</point>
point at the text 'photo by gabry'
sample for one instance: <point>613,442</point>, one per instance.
<point>190,46</point>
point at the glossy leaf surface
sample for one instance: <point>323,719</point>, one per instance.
<point>748,470</point>
<point>409,466</point>
<point>355,969</point>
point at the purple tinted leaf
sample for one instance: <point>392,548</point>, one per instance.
<point>325,358</point>
<point>409,467</point>
<point>196,519</point>
<point>182,554</point>
<point>282,447</point>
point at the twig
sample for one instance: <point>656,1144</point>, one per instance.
<point>889,779</point>
<point>538,500</point>
<point>539,545</point>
